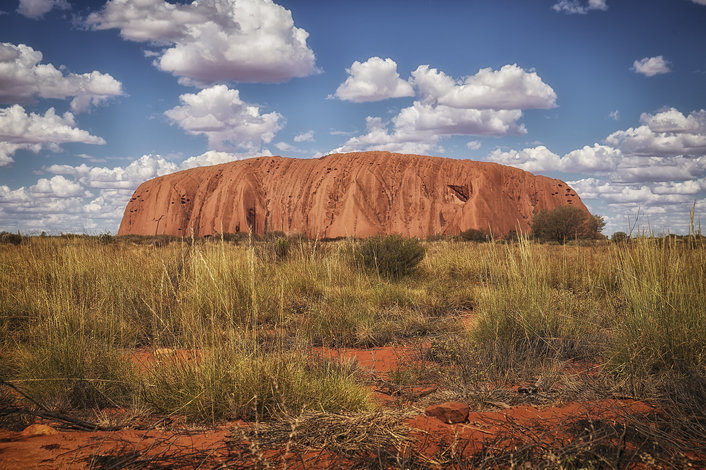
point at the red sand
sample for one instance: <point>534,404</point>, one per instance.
<point>380,360</point>
<point>73,449</point>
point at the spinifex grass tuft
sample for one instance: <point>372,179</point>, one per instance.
<point>662,314</point>
<point>523,315</point>
<point>231,383</point>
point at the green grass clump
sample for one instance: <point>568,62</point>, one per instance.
<point>392,256</point>
<point>523,315</point>
<point>662,309</point>
<point>72,371</point>
<point>232,384</point>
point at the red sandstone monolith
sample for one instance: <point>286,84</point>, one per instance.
<point>344,195</point>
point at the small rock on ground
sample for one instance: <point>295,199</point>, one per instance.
<point>38,430</point>
<point>450,412</point>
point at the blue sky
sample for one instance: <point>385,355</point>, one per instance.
<point>98,96</point>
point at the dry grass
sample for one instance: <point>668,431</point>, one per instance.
<point>355,440</point>
<point>72,310</point>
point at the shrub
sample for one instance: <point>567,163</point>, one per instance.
<point>281,247</point>
<point>620,237</point>
<point>231,384</point>
<point>13,238</point>
<point>274,235</point>
<point>392,256</point>
<point>69,371</point>
<point>437,237</point>
<point>511,236</point>
<point>565,223</point>
<point>474,235</point>
<point>240,237</point>
<point>106,239</point>
<point>662,326</point>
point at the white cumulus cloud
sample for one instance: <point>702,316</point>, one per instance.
<point>665,133</point>
<point>304,137</point>
<point>489,103</point>
<point>35,9</point>
<point>378,137</point>
<point>373,80</point>
<point>474,145</point>
<point>19,130</point>
<point>573,7</point>
<point>448,120</point>
<point>530,159</point>
<point>511,87</point>
<point>595,159</point>
<point>651,66</point>
<point>209,158</point>
<point>657,169</point>
<point>209,41</point>
<point>58,186</point>
<point>226,120</point>
<point>23,77</point>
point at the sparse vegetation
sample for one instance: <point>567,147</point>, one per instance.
<point>213,330</point>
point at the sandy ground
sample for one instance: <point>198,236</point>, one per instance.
<point>48,446</point>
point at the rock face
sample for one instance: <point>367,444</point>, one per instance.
<point>342,195</point>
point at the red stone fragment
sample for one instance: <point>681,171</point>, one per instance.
<point>450,412</point>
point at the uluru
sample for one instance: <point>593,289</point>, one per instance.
<point>344,195</point>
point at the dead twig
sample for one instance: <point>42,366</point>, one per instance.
<point>46,413</point>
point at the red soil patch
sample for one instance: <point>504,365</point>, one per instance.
<point>209,449</point>
<point>484,426</point>
<point>75,449</point>
<point>143,359</point>
<point>380,361</point>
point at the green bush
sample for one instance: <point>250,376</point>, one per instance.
<point>511,236</point>
<point>620,237</point>
<point>281,248</point>
<point>392,256</point>
<point>474,235</point>
<point>106,239</point>
<point>13,238</point>
<point>565,223</point>
<point>240,237</point>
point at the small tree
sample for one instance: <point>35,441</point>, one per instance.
<point>594,226</point>
<point>565,223</point>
